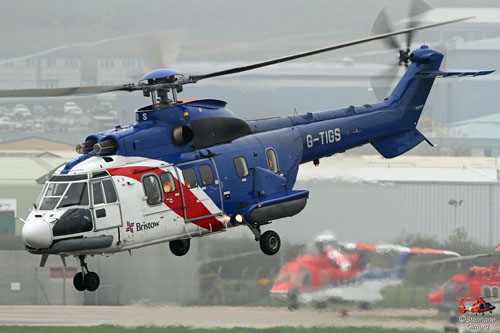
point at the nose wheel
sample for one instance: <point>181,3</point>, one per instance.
<point>179,247</point>
<point>85,280</point>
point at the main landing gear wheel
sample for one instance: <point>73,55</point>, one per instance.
<point>179,247</point>
<point>85,281</point>
<point>78,282</point>
<point>270,242</point>
<point>91,281</point>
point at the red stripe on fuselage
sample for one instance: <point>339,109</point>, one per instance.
<point>193,205</point>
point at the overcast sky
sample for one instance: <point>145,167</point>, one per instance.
<point>33,25</point>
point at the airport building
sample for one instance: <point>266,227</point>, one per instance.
<point>372,199</point>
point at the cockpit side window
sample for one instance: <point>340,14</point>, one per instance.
<point>40,196</point>
<point>97,193</point>
<point>109,191</point>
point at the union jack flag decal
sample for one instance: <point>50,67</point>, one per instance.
<point>130,227</point>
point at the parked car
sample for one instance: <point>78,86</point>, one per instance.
<point>72,108</point>
<point>21,110</point>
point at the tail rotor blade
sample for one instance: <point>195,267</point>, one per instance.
<point>382,26</point>
<point>417,7</point>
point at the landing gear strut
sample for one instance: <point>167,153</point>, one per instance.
<point>269,241</point>
<point>85,280</point>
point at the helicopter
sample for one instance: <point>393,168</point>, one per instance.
<point>338,271</point>
<point>192,168</point>
<point>478,280</point>
<point>480,306</point>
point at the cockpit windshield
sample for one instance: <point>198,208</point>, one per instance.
<point>63,195</point>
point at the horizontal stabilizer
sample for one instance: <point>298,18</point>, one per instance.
<point>453,73</point>
<point>398,144</point>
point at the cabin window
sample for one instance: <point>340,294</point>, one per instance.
<point>152,189</point>
<point>494,292</point>
<point>167,181</point>
<point>76,195</point>
<point>486,291</point>
<point>109,191</point>
<point>97,193</point>
<point>240,164</point>
<point>190,178</point>
<point>272,160</point>
<point>206,174</point>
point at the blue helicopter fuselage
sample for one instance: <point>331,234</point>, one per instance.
<point>214,170</point>
<point>216,133</point>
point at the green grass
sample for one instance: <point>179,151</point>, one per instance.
<point>404,297</point>
<point>180,329</point>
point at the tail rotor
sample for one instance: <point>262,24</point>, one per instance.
<point>382,83</point>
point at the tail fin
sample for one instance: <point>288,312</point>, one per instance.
<point>413,89</point>
<point>461,308</point>
<point>409,98</point>
<point>401,263</point>
<point>402,260</point>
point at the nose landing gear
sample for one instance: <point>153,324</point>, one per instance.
<point>179,247</point>
<point>85,280</point>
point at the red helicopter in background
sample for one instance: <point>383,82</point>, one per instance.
<point>477,281</point>
<point>340,271</point>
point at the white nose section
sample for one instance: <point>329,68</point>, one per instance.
<point>37,234</point>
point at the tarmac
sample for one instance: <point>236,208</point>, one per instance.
<point>213,317</point>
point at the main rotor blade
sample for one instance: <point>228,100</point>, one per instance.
<point>382,26</point>
<point>56,92</point>
<point>464,258</point>
<point>417,7</point>
<point>195,78</point>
